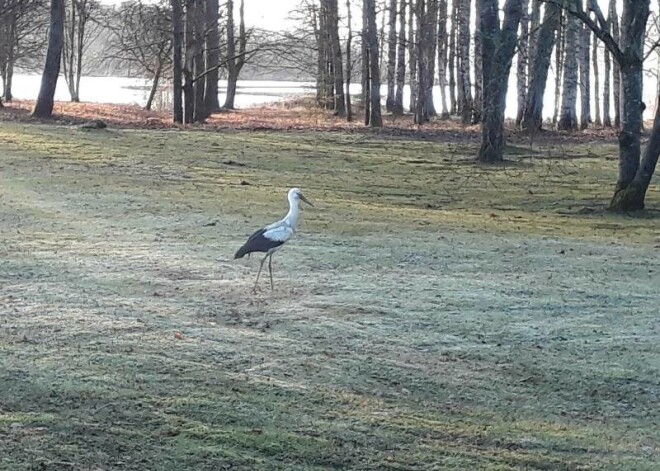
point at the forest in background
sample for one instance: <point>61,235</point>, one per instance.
<point>598,57</point>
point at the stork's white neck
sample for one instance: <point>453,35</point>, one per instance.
<point>291,217</point>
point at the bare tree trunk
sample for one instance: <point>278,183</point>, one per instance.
<point>431,48</point>
<point>453,102</point>
<point>412,57</point>
<point>463,68</point>
<point>522,62</point>
<point>533,114</point>
<point>43,108</point>
<point>607,72</point>
<point>366,83</point>
<point>212,103</point>
<point>375,119</point>
<point>585,77</point>
<point>421,115</point>
<point>349,63</point>
<point>498,48</point>
<point>534,31</point>
<point>232,76</point>
<point>613,17</point>
<point>8,80</point>
<point>177,46</point>
<point>236,59</point>
<point>199,114</point>
<point>400,61</point>
<point>628,194</point>
<point>69,47</point>
<point>633,197</point>
<point>154,86</point>
<point>478,106</point>
<point>317,26</point>
<point>559,65</point>
<point>442,56</point>
<point>83,16</point>
<point>595,65</point>
<point>391,56</point>
<point>381,31</point>
<point>336,57</point>
<point>568,114</point>
<point>7,65</point>
<point>188,70</point>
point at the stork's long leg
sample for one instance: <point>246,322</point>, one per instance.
<point>259,272</point>
<point>270,269</point>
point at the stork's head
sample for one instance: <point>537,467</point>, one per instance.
<point>296,194</point>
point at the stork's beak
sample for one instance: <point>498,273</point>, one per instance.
<point>302,197</point>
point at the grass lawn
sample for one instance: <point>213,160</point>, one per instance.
<point>431,314</point>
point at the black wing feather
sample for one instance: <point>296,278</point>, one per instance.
<point>257,243</point>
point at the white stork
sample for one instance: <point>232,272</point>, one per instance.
<point>271,238</point>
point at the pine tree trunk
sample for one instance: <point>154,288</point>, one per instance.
<point>585,77</point>
<point>442,56</point>
<point>568,115</point>
<point>616,69</point>
<point>391,56</point>
<point>400,62</point>
<point>463,68</point>
<point>595,65</point>
<point>43,108</point>
<point>522,62</point>
<point>538,78</point>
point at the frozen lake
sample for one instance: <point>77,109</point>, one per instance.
<point>251,93</point>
